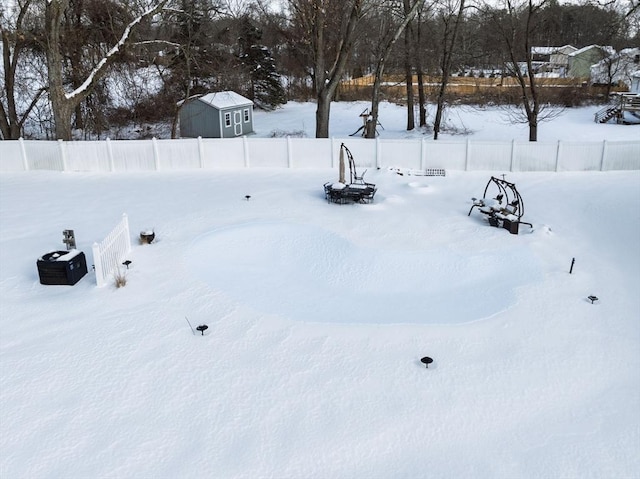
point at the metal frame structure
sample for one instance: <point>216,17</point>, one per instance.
<point>504,210</point>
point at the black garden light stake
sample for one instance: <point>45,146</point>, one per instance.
<point>592,298</point>
<point>202,328</point>
<point>247,197</point>
<point>126,263</point>
<point>426,360</point>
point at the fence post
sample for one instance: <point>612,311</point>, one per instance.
<point>23,153</point>
<point>156,153</point>
<point>110,154</point>
<point>97,264</point>
<point>604,155</point>
<point>63,154</point>
<point>125,222</point>
<point>513,154</point>
<point>245,151</point>
<point>558,151</point>
<point>201,152</point>
<point>289,153</point>
<point>467,154</point>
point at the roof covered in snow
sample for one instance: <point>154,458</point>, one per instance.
<point>221,99</point>
<point>225,99</point>
<point>608,49</point>
<point>551,50</point>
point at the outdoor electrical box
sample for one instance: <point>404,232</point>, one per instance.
<point>62,267</point>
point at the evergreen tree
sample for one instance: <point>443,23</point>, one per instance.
<point>266,88</point>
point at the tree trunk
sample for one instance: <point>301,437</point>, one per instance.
<point>438,119</point>
<point>61,112</point>
<point>372,121</point>
<point>322,113</point>
<point>420,75</point>
<point>9,123</point>
<point>408,73</point>
<point>533,131</point>
<point>62,115</point>
<point>422,100</point>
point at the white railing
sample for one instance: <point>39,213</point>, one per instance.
<point>210,153</point>
<point>109,253</point>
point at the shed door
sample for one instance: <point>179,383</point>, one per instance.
<point>237,122</point>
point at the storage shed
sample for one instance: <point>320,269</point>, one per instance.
<point>224,114</point>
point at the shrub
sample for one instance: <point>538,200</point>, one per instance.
<point>120,278</point>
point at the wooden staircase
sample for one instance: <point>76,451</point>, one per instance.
<point>607,113</point>
<point>625,102</point>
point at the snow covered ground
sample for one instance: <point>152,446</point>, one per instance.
<point>460,122</point>
<point>318,316</point>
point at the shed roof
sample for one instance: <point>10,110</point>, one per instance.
<point>225,99</point>
<point>220,100</point>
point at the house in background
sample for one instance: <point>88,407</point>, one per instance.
<point>617,69</point>
<point>581,60</point>
<point>624,107</point>
<point>224,114</point>
<point>554,61</point>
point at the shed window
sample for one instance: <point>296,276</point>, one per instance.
<point>246,115</point>
<point>227,119</point>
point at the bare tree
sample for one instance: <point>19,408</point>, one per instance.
<point>408,69</point>
<point>451,18</point>
<point>515,23</point>
<point>329,29</point>
<point>391,34</point>
<point>64,103</point>
<point>418,55</point>
<point>16,40</point>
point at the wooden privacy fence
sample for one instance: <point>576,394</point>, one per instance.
<point>209,153</point>
<point>111,251</point>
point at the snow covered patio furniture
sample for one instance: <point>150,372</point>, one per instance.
<point>507,215</point>
<point>357,191</point>
<point>341,193</point>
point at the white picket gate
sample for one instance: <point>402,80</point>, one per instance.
<point>111,251</point>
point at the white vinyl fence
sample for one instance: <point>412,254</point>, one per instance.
<point>111,251</point>
<point>210,153</point>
